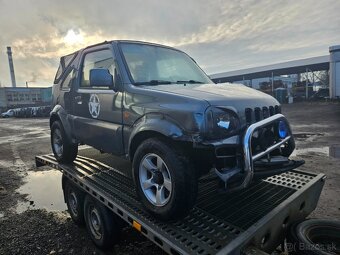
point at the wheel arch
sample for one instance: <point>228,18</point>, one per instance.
<point>54,117</point>
<point>155,126</point>
<point>141,136</point>
<point>59,114</point>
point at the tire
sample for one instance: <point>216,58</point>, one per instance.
<point>75,203</point>
<point>292,241</point>
<point>102,225</point>
<point>176,198</point>
<point>315,237</point>
<point>64,150</point>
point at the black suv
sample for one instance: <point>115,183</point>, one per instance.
<point>154,105</point>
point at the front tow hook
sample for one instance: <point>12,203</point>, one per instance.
<point>226,173</point>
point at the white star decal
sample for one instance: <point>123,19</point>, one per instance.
<point>94,106</point>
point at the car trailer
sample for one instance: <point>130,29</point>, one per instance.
<point>243,222</point>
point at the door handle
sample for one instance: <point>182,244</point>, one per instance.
<point>78,99</point>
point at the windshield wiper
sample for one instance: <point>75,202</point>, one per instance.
<point>153,82</point>
<point>190,81</point>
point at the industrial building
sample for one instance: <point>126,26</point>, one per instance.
<point>13,97</point>
<point>330,63</point>
<point>288,81</point>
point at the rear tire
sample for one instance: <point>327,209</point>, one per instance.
<point>102,225</point>
<point>63,149</point>
<point>75,203</point>
<point>165,181</point>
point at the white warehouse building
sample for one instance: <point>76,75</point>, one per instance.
<point>285,71</point>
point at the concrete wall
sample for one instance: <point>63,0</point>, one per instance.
<point>334,74</point>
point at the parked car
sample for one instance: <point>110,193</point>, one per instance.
<point>322,93</point>
<point>9,113</point>
<point>28,112</point>
<point>155,106</point>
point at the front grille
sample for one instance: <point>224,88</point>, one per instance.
<point>257,114</point>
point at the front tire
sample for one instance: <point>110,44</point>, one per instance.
<point>165,181</point>
<point>64,150</point>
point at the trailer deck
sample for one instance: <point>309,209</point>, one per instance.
<point>218,224</point>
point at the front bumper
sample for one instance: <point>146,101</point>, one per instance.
<point>245,169</point>
<point>248,156</point>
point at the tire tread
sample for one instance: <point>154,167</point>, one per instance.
<point>187,184</point>
<point>70,150</point>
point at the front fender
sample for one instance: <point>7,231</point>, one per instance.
<point>158,123</point>
<point>59,113</point>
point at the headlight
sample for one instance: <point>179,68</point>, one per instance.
<point>221,123</point>
<point>282,129</point>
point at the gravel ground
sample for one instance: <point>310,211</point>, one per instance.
<point>316,127</point>
<point>38,231</point>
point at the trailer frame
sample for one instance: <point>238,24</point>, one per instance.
<point>219,224</point>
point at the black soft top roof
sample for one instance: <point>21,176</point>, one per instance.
<point>120,41</point>
<point>66,60</point>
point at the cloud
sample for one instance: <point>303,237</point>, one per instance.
<point>220,35</point>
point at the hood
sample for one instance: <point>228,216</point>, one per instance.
<point>235,96</point>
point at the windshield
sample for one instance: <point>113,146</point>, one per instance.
<point>153,65</point>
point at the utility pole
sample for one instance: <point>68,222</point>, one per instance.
<point>314,86</point>
<point>306,83</point>
<point>272,83</point>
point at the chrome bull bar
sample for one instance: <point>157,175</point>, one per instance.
<point>248,157</point>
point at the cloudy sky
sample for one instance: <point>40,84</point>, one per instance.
<point>221,35</point>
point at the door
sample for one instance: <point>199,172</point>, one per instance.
<point>97,110</point>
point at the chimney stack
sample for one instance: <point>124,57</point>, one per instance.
<point>11,66</point>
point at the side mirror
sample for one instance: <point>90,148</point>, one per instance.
<point>101,78</point>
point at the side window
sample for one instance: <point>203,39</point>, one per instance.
<point>68,80</point>
<point>64,63</point>
<point>98,59</point>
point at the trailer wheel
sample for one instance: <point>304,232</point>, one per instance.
<point>102,225</point>
<point>75,203</point>
<point>315,237</point>
<point>64,150</point>
<point>166,183</point>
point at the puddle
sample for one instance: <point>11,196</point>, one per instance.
<point>44,191</point>
<point>309,126</point>
<point>317,150</point>
<point>307,137</point>
<point>334,151</point>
